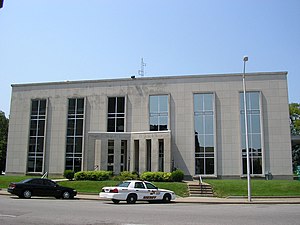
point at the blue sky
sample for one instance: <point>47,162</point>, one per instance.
<point>53,40</point>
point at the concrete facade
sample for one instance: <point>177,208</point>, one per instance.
<point>178,139</point>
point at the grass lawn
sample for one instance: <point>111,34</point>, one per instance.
<point>224,188</point>
<point>94,187</point>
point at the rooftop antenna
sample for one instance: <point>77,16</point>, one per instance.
<point>142,70</point>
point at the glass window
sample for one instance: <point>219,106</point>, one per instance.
<point>158,112</point>
<point>110,155</point>
<point>204,134</point>
<point>254,132</point>
<point>35,158</point>
<point>74,134</point>
<point>116,114</point>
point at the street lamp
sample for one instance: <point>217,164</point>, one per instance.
<point>246,130</point>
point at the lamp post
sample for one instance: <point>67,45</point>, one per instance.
<point>245,59</point>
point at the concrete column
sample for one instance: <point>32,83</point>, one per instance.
<point>103,154</point>
<point>88,161</point>
<point>97,161</point>
<point>142,155</point>
<point>117,155</point>
<point>167,154</point>
<point>154,155</point>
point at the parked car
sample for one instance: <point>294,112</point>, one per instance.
<point>136,190</point>
<point>40,187</point>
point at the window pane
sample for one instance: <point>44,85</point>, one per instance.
<point>33,127</point>
<point>209,125</point>
<point>111,105</point>
<point>80,106</point>
<point>254,100</point>
<point>121,105</point>
<point>34,107</point>
<point>199,124</point>
<point>78,145</point>
<point>111,125</point>
<point>154,123</point>
<point>72,103</point>
<point>255,124</point>
<point>198,106</point>
<point>41,127</point>
<point>208,103</point>
<point>153,104</point>
<point>120,125</point>
<point>79,127</point>
<point>163,103</point>
<point>42,107</point>
<point>209,166</point>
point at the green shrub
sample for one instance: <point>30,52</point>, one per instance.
<point>93,175</point>
<point>126,175</point>
<point>177,176</point>
<point>69,174</point>
<point>156,176</point>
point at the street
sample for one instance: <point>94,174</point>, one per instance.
<point>46,211</point>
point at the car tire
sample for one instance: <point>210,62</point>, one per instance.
<point>26,194</point>
<point>116,201</point>
<point>131,199</point>
<point>66,195</point>
<point>167,198</point>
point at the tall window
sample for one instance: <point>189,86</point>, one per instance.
<point>110,155</point>
<point>204,133</point>
<point>116,114</point>
<point>254,132</point>
<point>148,153</point>
<point>159,108</point>
<point>75,134</point>
<point>123,165</point>
<point>161,155</point>
<point>37,135</point>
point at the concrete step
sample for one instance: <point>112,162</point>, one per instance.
<point>200,190</point>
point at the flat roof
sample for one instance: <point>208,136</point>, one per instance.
<point>168,77</point>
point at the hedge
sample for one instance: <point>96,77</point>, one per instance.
<point>176,176</point>
<point>93,175</point>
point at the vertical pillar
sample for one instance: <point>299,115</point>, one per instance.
<point>168,155</point>
<point>142,155</point>
<point>103,154</point>
<point>117,155</point>
<point>97,161</point>
<point>155,155</point>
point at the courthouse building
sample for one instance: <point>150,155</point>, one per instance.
<point>194,123</point>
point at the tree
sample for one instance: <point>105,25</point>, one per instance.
<point>3,140</point>
<point>295,130</point>
<point>295,118</point>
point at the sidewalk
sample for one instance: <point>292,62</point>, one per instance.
<point>204,200</point>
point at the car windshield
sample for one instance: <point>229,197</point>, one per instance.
<point>124,184</point>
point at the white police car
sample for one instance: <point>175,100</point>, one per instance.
<point>136,190</point>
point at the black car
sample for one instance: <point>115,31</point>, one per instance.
<point>40,187</point>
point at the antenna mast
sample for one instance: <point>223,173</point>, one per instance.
<point>142,70</point>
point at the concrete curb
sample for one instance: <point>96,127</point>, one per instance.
<point>204,200</point>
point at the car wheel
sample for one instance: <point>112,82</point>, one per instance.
<point>131,199</point>
<point>66,195</point>
<point>167,198</point>
<point>115,201</point>
<point>26,194</point>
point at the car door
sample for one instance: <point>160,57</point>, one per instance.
<point>140,190</point>
<point>153,192</point>
<point>49,188</point>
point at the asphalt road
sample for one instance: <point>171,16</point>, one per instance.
<point>46,211</point>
